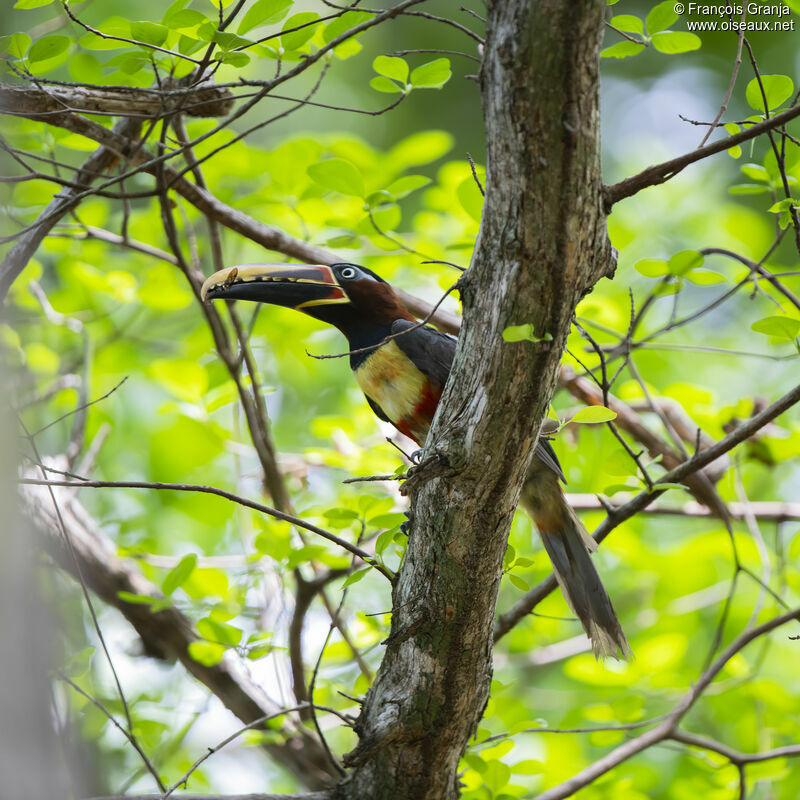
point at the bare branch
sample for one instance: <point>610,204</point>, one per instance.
<point>33,102</point>
<point>771,512</point>
<point>660,173</point>
<point>234,498</point>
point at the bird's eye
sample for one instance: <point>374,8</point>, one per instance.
<point>347,273</point>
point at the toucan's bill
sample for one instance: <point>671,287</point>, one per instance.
<point>292,285</point>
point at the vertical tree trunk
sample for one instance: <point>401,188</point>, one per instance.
<point>541,247</point>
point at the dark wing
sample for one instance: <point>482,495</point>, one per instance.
<point>546,454</point>
<point>431,352</point>
<point>376,409</point>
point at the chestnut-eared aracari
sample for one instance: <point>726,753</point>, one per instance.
<point>402,380</point>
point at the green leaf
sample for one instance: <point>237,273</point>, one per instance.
<point>673,42</point>
<point>26,4</point>
<point>296,39</point>
<point>782,205</point>
<point>264,12</point>
<point>755,171</point>
<point>16,45</point>
<point>149,32</point>
<point>520,583</point>
<point>661,16</point>
<point>341,516</point>
<point>432,75</point>
<point>779,327</point>
<point>524,333</point>
<point>342,24</point>
<point>392,67</point>
<point>391,520</point>
<point>403,187</point>
<point>138,599</point>
<point>85,68</point>
<point>622,50</point>
<point>384,540</point>
<point>777,88</point>
<point>228,41</point>
<point>685,260</point>
<point>219,632</point>
<point>652,267</point>
<point>629,23</point>
<point>705,277</point>
<point>748,188</point>
<point>235,58</point>
<point>206,653</point>
<point>421,148</point>
<point>383,84</point>
<point>356,576</point>
<point>338,175</point>
<point>183,19</point>
<point>592,414</point>
<point>179,573</point>
<point>48,47</point>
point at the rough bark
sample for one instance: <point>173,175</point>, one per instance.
<point>542,245</point>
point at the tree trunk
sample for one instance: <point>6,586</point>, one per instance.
<point>542,246</point>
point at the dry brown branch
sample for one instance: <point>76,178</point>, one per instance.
<point>119,101</point>
<point>769,512</point>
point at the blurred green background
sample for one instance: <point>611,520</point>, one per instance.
<point>176,417</point>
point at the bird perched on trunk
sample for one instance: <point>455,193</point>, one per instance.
<point>402,378</point>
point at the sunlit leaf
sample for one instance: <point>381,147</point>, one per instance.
<point>297,38</point>
<point>673,42</point>
<point>661,16</point>
<point>206,653</point>
<point>776,89</point>
<point>778,326</point>
<point>383,84</point>
<point>338,175</point>
<point>682,262</point>
<point>391,67</point>
<point>592,414</point>
<point>149,32</point>
<point>432,75</point>
<point>179,573</point>
<point>629,23</point>
<point>264,12</point>
<point>622,50</point>
<point>652,267</point>
<point>48,47</point>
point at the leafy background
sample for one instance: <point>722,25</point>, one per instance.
<point>393,191</point>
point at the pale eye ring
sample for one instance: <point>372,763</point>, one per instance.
<point>347,273</point>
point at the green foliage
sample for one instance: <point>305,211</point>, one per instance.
<point>392,192</point>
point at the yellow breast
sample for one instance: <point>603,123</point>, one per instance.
<point>390,379</point>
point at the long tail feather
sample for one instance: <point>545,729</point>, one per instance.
<point>568,545</point>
